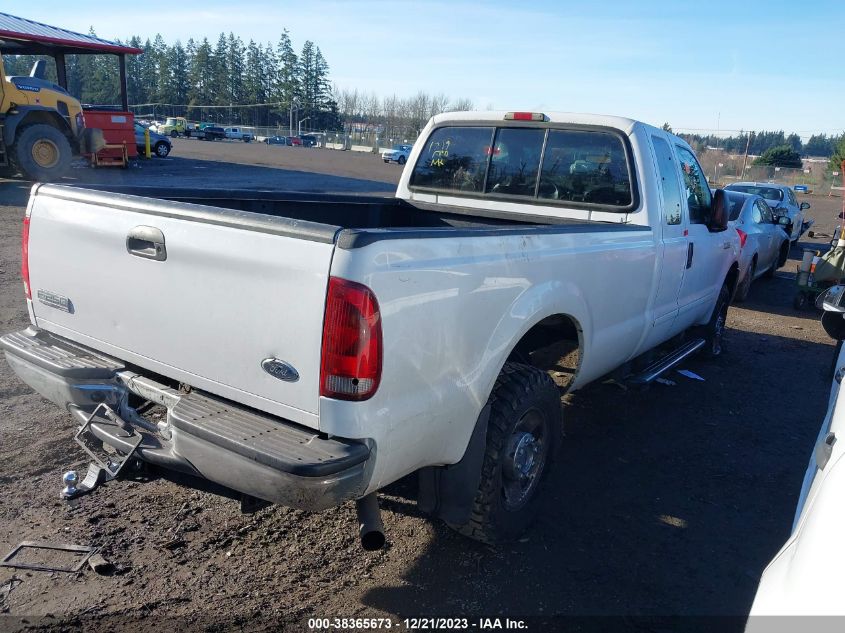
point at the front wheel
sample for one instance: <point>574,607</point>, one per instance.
<point>174,134</point>
<point>401,160</point>
<point>523,431</point>
<point>41,152</point>
<point>162,149</point>
<point>714,331</point>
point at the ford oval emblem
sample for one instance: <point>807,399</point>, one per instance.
<point>280,369</point>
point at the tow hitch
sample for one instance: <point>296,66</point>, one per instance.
<point>106,464</point>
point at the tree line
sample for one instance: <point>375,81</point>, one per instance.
<point>239,83</point>
<point>823,145</point>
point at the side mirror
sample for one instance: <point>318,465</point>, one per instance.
<point>805,205</point>
<point>719,212</point>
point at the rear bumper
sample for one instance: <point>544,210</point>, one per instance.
<point>241,449</point>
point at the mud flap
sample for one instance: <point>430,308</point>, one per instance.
<point>448,492</point>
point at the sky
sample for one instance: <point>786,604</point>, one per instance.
<point>700,66</point>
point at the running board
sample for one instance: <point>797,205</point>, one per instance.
<point>667,362</point>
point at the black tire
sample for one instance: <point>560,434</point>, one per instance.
<point>174,134</point>
<point>401,160</point>
<point>523,434</point>
<point>799,301</point>
<point>41,152</point>
<point>744,288</point>
<point>161,149</point>
<point>715,329</point>
<point>784,254</point>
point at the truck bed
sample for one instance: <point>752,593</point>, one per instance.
<point>350,221</point>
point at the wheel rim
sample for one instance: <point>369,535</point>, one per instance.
<point>525,458</point>
<point>161,150</point>
<point>45,153</point>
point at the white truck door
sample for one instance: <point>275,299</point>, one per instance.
<point>674,228</point>
<point>705,250</point>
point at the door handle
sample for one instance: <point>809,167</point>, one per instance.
<point>146,242</point>
<point>824,450</point>
<point>690,249</point>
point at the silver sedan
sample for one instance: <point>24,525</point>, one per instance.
<point>763,239</point>
<point>782,201</point>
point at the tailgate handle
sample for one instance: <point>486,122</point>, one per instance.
<point>146,242</point>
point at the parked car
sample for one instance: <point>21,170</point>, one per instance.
<point>295,141</point>
<point>399,154</point>
<point>176,126</point>
<point>160,145</point>
<point>235,133</point>
<point>416,337</point>
<point>805,577</point>
<point>764,244</point>
<point>210,133</point>
<point>308,140</point>
<point>783,202</point>
<point>276,140</point>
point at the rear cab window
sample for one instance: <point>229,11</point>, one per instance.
<point>582,168</point>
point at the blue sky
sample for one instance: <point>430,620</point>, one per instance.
<point>698,65</point>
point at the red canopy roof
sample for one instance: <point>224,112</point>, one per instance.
<point>22,36</point>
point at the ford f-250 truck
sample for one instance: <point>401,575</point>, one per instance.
<point>311,349</point>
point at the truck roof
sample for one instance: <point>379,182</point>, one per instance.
<point>605,120</point>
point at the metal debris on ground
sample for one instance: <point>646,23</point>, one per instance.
<point>5,591</point>
<point>690,374</point>
<point>100,565</point>
<point>82,552</point>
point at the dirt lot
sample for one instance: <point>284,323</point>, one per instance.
<point>668,502</point>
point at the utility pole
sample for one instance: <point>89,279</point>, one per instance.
<point>745,160</point>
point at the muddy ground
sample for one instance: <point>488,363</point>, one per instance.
<point>665,502</point>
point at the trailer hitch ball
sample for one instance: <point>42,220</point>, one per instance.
<point>70,479</point>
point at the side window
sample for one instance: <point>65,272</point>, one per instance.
<point>515,161</point>
<point>668,172</point>
<point>756,215</point>
<point>697,190</point>
<point>454,158</point>
<point>792,198</point>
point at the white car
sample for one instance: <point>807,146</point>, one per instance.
<point>805,576</point>
<point>399,154</point>
<point>783,202</point>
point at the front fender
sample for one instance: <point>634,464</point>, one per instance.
<point>14,120</point>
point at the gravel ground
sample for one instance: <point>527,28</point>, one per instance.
<point>665,502</point>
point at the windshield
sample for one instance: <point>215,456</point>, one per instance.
<point>735,202</point>
<point>170,121</point>
<point>769,193</point>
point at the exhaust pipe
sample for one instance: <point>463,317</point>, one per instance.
<point>370,527</point>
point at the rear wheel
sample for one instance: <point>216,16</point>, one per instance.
<point>745,286</point>
<point>41,152</point>
<point>522,436</point>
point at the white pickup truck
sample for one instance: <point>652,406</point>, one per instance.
<point>311,349</point>
<point>237,134</point>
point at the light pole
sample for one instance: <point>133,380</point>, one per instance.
<point>299,125</point>
<point>294,104</point>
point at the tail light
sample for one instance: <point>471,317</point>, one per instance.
<point>25,258</point>
<point>742,237</point>
<point>350,368</point>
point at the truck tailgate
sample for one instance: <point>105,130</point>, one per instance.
<point>230,290</point>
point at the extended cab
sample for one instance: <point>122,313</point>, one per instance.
<point>311,349</point>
